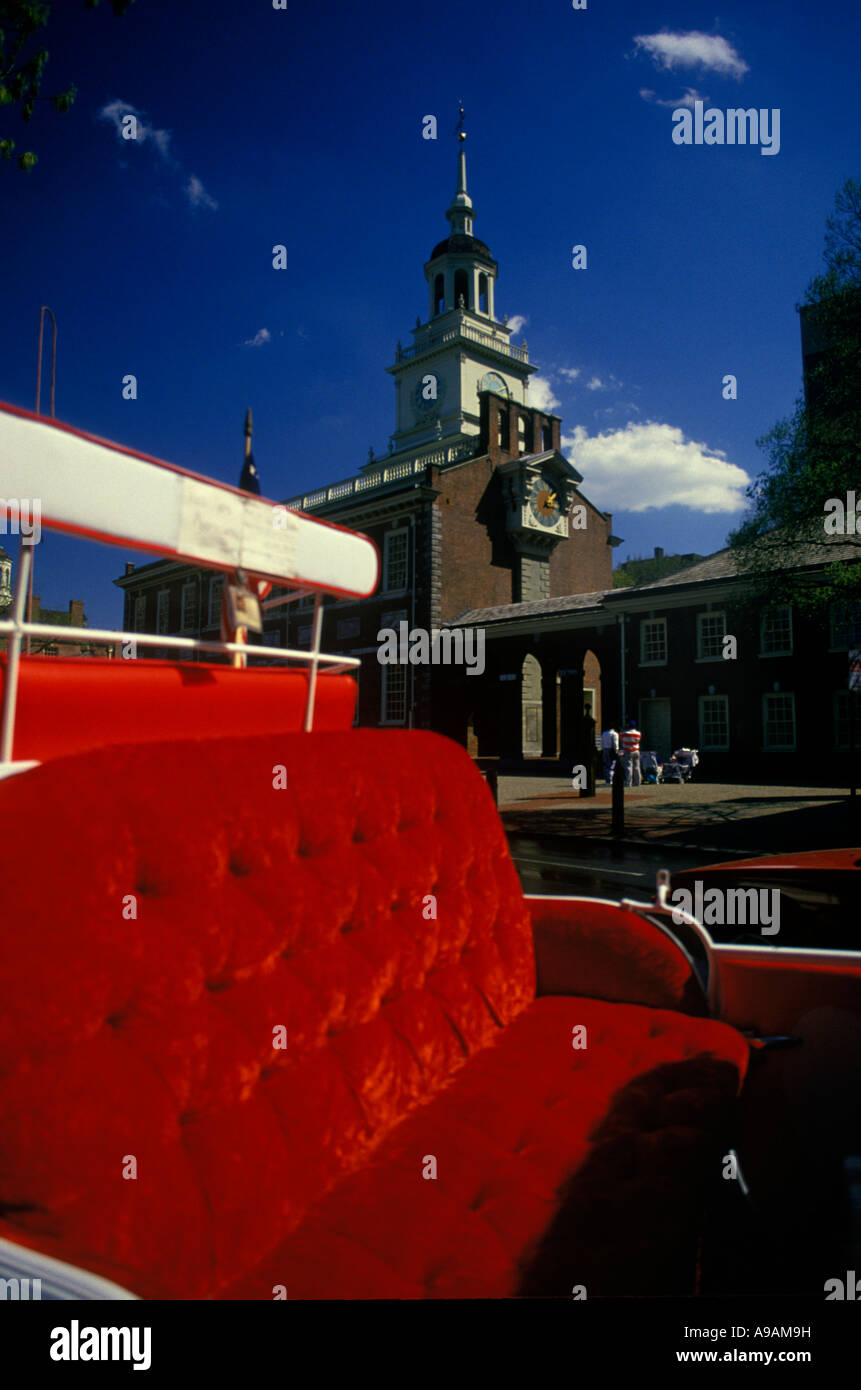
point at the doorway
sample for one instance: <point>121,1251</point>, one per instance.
<point>656,728</point>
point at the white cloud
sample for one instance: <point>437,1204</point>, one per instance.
<point>260,337</point>
<point>115,112</point>
<point>693,49</point>
<point>691,95</point>
<point>142,132</point>
<point>649,465</point>
<point>541,395</point>
<point>518,323</point>
<point>572,373</point>
<point>612,383</point>
<point>198,196</point>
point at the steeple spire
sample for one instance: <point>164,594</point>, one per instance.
<point>461,212</point>
<point>249,481</point>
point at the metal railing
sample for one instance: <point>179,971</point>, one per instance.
<point>17,629</point>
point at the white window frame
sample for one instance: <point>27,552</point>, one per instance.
<point>191,584</point>
<point>784,651</point>
<point>384,693</point>
<point>701,620</point>
<point>704,743</point>
<point>390,536</point>
<point>660,661</point>
<point>833,621</point>
<point>213,608</point>
<point>779,747</point>
<point>140,613</point>
<point>162,615</point>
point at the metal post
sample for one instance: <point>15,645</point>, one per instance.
<point>316,633</point>
<point>618,797</point>
<point>622,668</point>
<point>42,312</point>
<point>10,694</point>
<point>853,757</point>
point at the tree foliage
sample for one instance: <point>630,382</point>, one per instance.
<point>815,454</point>
<point>22,64</point>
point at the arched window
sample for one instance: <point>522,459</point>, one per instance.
<point>504,431</point>
<point>439,294</point>
<point>482,293</point>
<point>461,288</point>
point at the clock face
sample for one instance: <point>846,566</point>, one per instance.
<point>544,502</point>
<point>429,394</point>
<point>492,381</point>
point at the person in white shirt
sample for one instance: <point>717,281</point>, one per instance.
<point>609,749</point>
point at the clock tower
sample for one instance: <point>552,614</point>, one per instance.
<point>462,348</point>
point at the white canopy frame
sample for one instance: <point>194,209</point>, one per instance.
<point>97,489</point>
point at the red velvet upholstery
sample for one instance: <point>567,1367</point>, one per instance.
<point>70,704</point>
<point>409,1034</point>
<point>608,952</point>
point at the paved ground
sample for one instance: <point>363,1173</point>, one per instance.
<point>730,819</point>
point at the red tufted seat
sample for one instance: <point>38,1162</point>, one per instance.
<point>186,909</point>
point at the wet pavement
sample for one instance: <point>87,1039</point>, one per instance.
<point>733,820</point>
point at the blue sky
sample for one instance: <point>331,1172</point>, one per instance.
<point>304,127</point>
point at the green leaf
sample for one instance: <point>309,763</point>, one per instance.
<point>26,161</point>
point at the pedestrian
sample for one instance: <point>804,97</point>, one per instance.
<point>609,749</point>
<point>631,753</point>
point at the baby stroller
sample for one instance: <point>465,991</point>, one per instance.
<point>650,766</point>
<point>680,767</point>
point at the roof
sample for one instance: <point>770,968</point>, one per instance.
<point>532,608</point>
<point>787,554</point>
<point>459,243</point>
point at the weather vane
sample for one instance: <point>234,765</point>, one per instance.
<point>459,130</point>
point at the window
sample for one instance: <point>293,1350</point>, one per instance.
<point>216,589</point>
<point>461,290</point>
<point>714,722</point>
<point>710,634</point>
<point>778,721</point>
<point>393,617</point>
<point>394,702</point>
<point>845,625</point>
<point>271,637</point>
<point>775,634</point>
<point>546,436</point>
<point>504,435</point>
<point>653,642</point>
<point>304,636</point>
<point>348,627</point>
<point>439,294</point>
<point>162,623</point>
<point>482,293</point>
<point>140,613</point>
<point>306,602</point>
<point>395,560</point>
<point>189,606</point>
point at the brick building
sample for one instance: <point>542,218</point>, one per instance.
<point>473,506</point>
